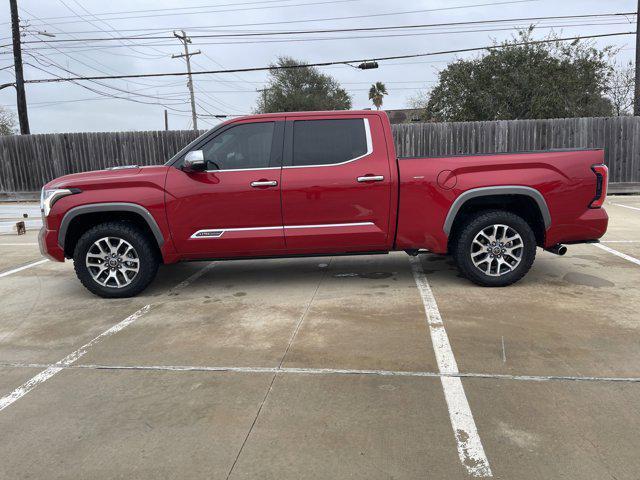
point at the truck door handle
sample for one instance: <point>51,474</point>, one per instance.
<point>264,183</point>
<point>371,178</point>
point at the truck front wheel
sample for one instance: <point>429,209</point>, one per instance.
<point>115,260</point>
<point>495,248</point>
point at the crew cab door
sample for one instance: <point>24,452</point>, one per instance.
<point>233,208</point>
<point>336,184</point>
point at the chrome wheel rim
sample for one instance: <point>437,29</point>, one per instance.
<point>112,262</point>
<point>497,250</point>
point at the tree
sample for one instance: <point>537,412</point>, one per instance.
<point>535,80</point>
<point>300,89</point>
<point>376,92</point>
<point>621,89</point>
<point>7,122</point>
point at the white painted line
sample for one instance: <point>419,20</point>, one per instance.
<point>626,206</point>
<point>619,241</point>
<point>45,375</point>
<point>74,356</point>
<point>17,244</point>
<point>470,449</point>
<point>23,267</point>
<point>629,258</point>
<point>327,371</point>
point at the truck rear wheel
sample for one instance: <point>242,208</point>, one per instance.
<point>495,248</point>
<point>115,260</point>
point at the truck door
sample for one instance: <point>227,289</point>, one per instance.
<point>233,208</point>
<point>336,184</point>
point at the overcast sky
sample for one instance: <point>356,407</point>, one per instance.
<point>66,107</point>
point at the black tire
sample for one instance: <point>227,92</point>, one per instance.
<point>147,256</point>
<point>463,244</point>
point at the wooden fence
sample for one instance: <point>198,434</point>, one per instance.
<point>29,161</point>
<point>619,136</point>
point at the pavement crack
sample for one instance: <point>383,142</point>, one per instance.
<point>279,368</point>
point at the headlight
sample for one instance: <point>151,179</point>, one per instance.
<point>49,197</point>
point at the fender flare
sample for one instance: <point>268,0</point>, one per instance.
<point>109,207</point>
<point>500,190</point>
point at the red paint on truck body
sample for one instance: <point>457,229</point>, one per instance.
<point>325,209</point>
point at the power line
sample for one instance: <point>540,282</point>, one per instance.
<point>83,48</point>
<point>324,2</point>
<point>107,94</point>
<point>326,19</point>
<point>102,14</point>
<point>85,56</point>
<point>324,64</point>
<point>51,63</point>
<point>342,30</point>
<point>172,95</point>
<point>103,22</point>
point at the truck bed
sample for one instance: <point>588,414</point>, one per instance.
<point>429,187</point>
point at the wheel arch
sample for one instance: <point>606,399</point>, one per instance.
<point>524,201</point>
<point>77,220</point>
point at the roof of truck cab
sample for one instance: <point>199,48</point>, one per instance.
<point>336,113</point>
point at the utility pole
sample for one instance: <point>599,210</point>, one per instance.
<point>17,63</point>
<point>166,119</point>
<point>187,56</point>
<point>636,103</point>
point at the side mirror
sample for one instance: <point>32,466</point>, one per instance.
<point>194,161</point>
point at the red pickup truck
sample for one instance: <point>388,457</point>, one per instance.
<point>320,183</point>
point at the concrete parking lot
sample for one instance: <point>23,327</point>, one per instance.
<point>372,367</point>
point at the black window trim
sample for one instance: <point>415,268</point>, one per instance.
<point>288,153</point>
<point>276,157</point>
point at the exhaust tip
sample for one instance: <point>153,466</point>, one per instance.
<point>559,250</point>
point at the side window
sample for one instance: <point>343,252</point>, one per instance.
<point>326,142</point>
<point>243,146</point>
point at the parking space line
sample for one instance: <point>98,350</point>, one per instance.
<point>23,267</point>
<point>619,241</point>
<point>17,244</point>
<point>470,449</point>
<point>74,356</point>
<point>46,374</point>
<point>617,253</point>
<point>330,371</point>
<point>626,206</point>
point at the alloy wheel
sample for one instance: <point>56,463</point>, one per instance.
<point>112,262</point>
<point>497,250</point>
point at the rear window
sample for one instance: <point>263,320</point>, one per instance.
<point>327,142</point>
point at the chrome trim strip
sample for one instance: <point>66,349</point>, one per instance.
<point>242,169</point>
<point>329,225</point>
<point>218,232</point>
<point>367,132</point>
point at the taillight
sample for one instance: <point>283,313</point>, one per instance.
<point>602,182</point>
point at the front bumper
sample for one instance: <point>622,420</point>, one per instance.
<point>48,243</point>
